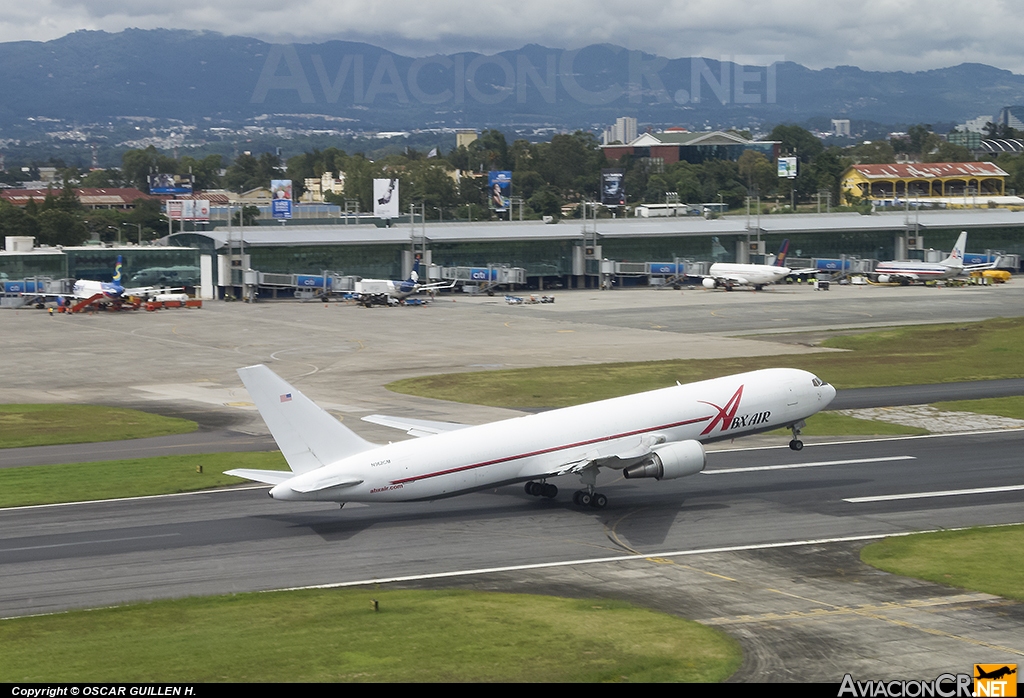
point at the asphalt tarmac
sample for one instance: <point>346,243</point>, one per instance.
<point>769,555</point>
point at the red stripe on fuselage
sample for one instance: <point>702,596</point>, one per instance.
<point>547,450</point>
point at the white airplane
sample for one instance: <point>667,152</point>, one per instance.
<point>389,292</point>
<point>109,290</point>
<point>728,276</point>
<point>657,434</point>
<point>909,272</point>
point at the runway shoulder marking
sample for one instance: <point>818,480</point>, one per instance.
<point>816,464</point>
<point>218,490</point>
<point>939,493</point>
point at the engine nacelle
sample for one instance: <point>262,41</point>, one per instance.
<point>668,462</point>
<point>709,283</point>
<point>883,278</point>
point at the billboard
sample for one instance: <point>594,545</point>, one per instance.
<point>170,184</point>
<point>613,193</point>
<point>385,198</point>
<point>188,210</point>
<point>499,183</point>
<point>787,167</point>
<point>281,198</point>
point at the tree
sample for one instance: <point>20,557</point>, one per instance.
<point>61,228</point>
<point>758,173</point>
<point>797,140</point>
<point>948,152</point>
<point>248,215</point>
<point>873,153</point>
<point>15,221</point>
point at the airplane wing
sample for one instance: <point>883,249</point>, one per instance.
<point>270,477</point>
<point>435,286</point>
<point>143,290</point>
<point>616,455</point>
<point>413,427</point>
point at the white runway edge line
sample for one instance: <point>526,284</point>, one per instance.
<point>624,558</point>
<point>817,464</point>
<point>940,493</point>
<point>218,490</point>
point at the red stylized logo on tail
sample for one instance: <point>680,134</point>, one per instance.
<point>725,414</point>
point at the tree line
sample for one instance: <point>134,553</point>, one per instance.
<point>549,178</point>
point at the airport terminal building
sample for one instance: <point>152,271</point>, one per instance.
<point>569,254</point>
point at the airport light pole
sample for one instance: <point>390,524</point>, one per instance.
<point>139,226</point>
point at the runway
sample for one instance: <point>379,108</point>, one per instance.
<point>696,546</point>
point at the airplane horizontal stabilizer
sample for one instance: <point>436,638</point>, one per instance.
<point>307,435</point>
<point>270,477</point>
<point>413,427</point>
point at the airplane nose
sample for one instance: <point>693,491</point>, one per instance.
<point>829,393</point>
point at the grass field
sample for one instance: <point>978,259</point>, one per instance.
<point>45,425</point>
<point>334,635</point>
<point>899,356</point>
<point>1012,407</point>
<point>980,559</point>
<point>79,482</point>
<point>833,424</point>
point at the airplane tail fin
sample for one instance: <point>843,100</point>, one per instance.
<point>414,276</point>
<point>117,270</point>
<point>780,258</point>
<point>307,435</point>
<point>956,256</point>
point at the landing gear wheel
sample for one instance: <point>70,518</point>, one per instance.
<point>599,501</point>
<point>585,498</point>
<point>796,444</point>
<point>531,488</point>
<point>549,491</point>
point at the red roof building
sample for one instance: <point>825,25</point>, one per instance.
<point>90,198</point>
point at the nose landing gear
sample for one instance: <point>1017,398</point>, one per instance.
<point>796,444</point>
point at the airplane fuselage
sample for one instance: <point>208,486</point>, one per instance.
<point>918,271</point>
<point>747,274</point>
<point>84,288</point>
<point>539,446</point>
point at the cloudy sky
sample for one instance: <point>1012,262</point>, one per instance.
<point>871,34</point>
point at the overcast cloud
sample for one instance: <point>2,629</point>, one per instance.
<point>873,34</point>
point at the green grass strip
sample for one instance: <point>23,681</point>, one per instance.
<point>79,482</point>
<point>334,635</point>
<point>891,357</point>
<point>833,424</point>
<point>980,559</point>
<point>48,425</point>
<point>900,356</point>
<point>1012,407</point>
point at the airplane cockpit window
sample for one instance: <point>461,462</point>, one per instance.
<point>817,382</point>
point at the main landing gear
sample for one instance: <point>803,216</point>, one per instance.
<point>588,498</point>
<point>796,444</point>
<point>541,489</point>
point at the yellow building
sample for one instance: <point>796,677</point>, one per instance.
<point>952,183</point>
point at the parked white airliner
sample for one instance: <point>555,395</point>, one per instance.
<point>727,275</point>
<point>908,272</point>
<point>657,434</point>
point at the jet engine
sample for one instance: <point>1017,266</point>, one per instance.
<point>668,462</point>
<point>709,283</point>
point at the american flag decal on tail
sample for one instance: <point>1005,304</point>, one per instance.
<point>287,397</point>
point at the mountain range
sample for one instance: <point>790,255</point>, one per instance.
<point>199,76</point>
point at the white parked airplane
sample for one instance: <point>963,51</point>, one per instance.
<point>657,434</point>
<point>909,272</point>
<point>728,276</point>
<point>389,292</point>
<point>110,290</point>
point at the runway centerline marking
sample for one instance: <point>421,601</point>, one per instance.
<point>816,464</point>
<point>87,542</point>
<point>939,493</point>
